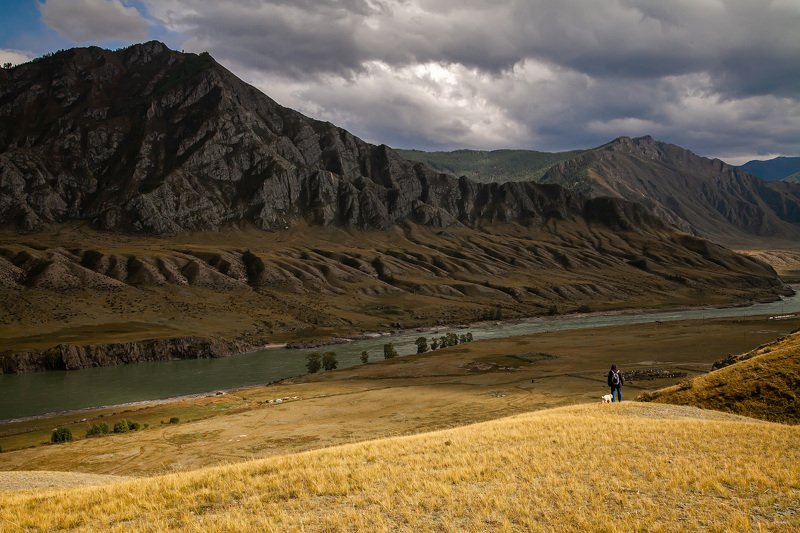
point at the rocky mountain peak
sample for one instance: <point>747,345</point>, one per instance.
<point>146,139</point>
<point>704,196</point>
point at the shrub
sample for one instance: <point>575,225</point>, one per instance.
<point>389,351</point>
<point>364,357</point>
<point>61,435</point>
<point>98,429</point>
<point>133,426</point>
<point>452,339</point>
<point>434,344</point>
<point>174,420</point>
<point>121,426</point>
<point>313,362</point>
<point>422,345</point>
<point>329,361</point>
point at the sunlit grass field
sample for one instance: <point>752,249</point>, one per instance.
<point>628,467</point>
<point>763,383</point>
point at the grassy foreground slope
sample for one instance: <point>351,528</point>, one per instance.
<point>763,383</point>
<point>601,467</point>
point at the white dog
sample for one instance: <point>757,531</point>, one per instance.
<point>606,398</point>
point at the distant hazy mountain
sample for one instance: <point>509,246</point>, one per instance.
<point>773,169</point>
<point>704,196</point>
<point>497,166</point>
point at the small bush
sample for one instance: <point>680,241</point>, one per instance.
<point>422,345</point>
<point>389,351</point>
<point>121,426</point>
<point>329,361</point>
<point>364,357</point>
<point>174,420</point>
<point>61,435</point>
<point>133,426</point>
<point>313,362</point>
<point>97,429</point>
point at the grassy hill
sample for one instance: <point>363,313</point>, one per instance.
<point>497,166</point>
<point>628,467</point>
<point>763,383</point>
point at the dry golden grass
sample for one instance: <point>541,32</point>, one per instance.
<point>628,467</point>
<point>764,383</point>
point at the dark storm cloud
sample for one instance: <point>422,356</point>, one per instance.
<point>550,75</point>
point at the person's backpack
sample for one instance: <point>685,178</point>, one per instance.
<point>615,380</point>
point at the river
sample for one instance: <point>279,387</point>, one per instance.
<point>24,395</point>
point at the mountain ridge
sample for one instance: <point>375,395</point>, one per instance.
<point>704,196</point>
<point>150,140</point>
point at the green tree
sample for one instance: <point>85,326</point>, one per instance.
<point>97,429</point>
<point>313,362</point>
<point>329,361</point>
<point>422,345</point>
<point>61,435</point>
<point>364,357</point>
<point>434,344</point>
<point>389,351</point>
<point>452,339</point>
<point>121,427</point>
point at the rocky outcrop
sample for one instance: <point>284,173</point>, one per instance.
<point>149,140</point>
<point>74,357</point>
<point>699,195</point>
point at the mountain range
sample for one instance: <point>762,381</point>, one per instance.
<point>153,141</point>
<point>732,205</point>
<point>151,194</point>
<point>704,196</point>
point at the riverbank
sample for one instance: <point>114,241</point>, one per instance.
<point>456,386</point>
<point>46,392</point>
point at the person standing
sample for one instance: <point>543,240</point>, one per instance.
<point>615,381</point>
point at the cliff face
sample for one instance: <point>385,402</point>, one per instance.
<point>72,357</point>
<point>699,195</point>
<point>150,140</point>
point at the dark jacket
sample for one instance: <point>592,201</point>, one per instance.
<point>621,379</point>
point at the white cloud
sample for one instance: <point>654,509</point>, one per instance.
<point>93,20</point>
<point>15,57</point>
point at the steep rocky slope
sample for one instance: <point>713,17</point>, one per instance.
<point>704,196</point>
<point>155,141</point>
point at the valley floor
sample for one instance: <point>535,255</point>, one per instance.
<point>461,385</point>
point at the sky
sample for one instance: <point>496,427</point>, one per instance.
<point>720,77</point>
